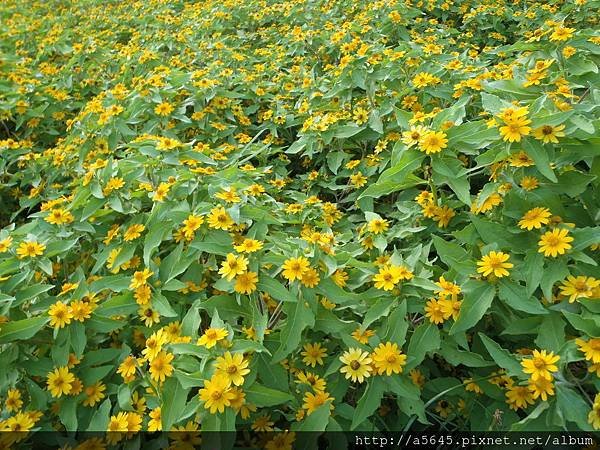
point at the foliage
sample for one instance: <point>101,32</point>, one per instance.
<point>299,215</point>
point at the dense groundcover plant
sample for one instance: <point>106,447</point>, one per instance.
<point>304,215</point>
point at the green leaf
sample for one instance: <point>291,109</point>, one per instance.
<point>426,338</point>
<point>539,154</point>
<point>533,266</point>
<point>262,396</point>
<point>120,305</point>
<point>376,310</point>
<point>21,329</point>
<point>588,325</point>
<point>515,296</point>
<point>454,256</point>
<point>381,188</point>
<point>502,357</point>
<point>299,316</point>
<point>552,333</point>
<point>574,408</point>
<point>451,171</point>
<point>477,298</point>
<point>174,398</point>
<point>369,402</point>
<point>274,288</point>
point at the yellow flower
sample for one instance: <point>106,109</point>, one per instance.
<point>295,268</point>
<point>59,217</point>
<point>216,394</point>
<point>591,349</point>
<point>540,365</point>
<point>555,242</point>
<point>542,387</point>
<point>133,232</point>
<point>191,224</point>
<point>81,310</point>
<point>160,366</point>
<point>13,400</point>
<point>211,336</point>
<point>314,401</point>
<point>519,397</point>
<point>94,393</point>
<point>561,33</point>
<point>362,336</point>
<point>245,283</point>
<point>535,218</point>
<point>30,249</point>
<point>249,246</point>
<point>60,315</point>
<point>435,311</point>
<point>494,263</point>
<point>5,244</point>
<point>579,287</point>
<point>155,422</point>
<point>515,129</point>
<point>388,359</point>
<point>377,226</point>
<point>357,364</point>
<point>232,368</point>
<point>161,192</point>
<point>59,381</point>
<point>433,142</point>
<point>549,134</point>
<point>313,354</point>
<point>163,109</point>
<point>219,219</point>
<point>139,278</point>
<point>311,379</point>
<point>232,266</point>
<point>127,368</point>
<point>310,278</point>
<point>18,424</point>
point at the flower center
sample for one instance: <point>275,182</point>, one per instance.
<point>355,365</point>
<point>232,369</point>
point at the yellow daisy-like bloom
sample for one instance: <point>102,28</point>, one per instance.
<point>357,364</point>
<point>555,242</point>
<point>59,381</point>
<point>160,366</point>
<point>127,368</point>
<point>30,249</point>
<point>295,268</point>
<point>219,219</point>
<point>232,266</point>
<point>216,394</point>
<point>232,368</point>
<point>13,400</point>
<point>163,109</point>
<point>133,232</point>
<point>60,315</point>
<point>535,218</point>
<point>388,359</point>
<point>59,217</point>
<point>310,278</point>
<point>594,415</point>
<point>540,365</point>
<point>94,393</point>
<point>388,277</point>
<point>519,397</point>
<point>191,224</point>
<point>435,311</point>
<point>378,226</point>
<point>155,422</point>
<point>363,336</point>
<point>139,278</point>
<point>413,136</point>
<point>450,307</point>
<point>541,387</point>
<point>494,263</point>
<point>313,354</point>
<point>311,379</point>
<point>579,287</point>
<point>211,336</point>
<point>5,244</point>
<point>245,283</point>
<point>590,348</point>
<point>314,401</point>
<point>19,423</point>
<point>433,142</point>
<point>549,134</point>
<point>249,246</point>
<point>81,310</point>
<point>515,129</point>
